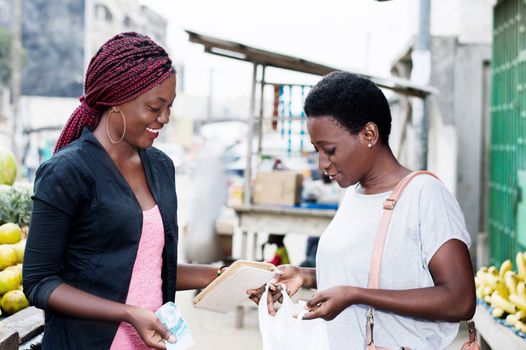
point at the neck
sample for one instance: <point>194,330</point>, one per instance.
<point>119,151</point>
<point>384,174</point>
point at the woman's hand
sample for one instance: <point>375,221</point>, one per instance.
<point>287,275</point>
<point>151,330</point>
<point>291,277</point>
<point>329,303</point>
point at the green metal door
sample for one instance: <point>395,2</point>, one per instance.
<point>507,195</point>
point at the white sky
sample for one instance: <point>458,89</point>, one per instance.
<point>363,35</point>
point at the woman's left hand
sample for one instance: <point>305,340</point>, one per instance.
<point>329,303</point>
<point>151,330</point>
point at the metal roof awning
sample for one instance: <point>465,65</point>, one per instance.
<point>234,50</point>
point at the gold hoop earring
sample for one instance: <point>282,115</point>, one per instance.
<point>115,110</point>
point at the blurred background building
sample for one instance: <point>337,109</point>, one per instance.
<point>58,39</point>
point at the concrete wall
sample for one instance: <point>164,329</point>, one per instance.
<point>458,73</point>
<point>469,111</point>
<point>469,20</point>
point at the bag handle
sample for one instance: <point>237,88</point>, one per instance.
<point>381,233</point>
<point>378,248</point>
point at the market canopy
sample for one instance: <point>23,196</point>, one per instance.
<point>238,51</point>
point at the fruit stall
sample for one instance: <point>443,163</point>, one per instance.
<point>501,309</point>
<point>19,323</point>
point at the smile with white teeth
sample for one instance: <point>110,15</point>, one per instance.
<point>155,131</point>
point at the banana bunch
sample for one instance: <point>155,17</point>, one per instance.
<point>505,290</point>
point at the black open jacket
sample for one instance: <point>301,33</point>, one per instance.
<point>85,230</point>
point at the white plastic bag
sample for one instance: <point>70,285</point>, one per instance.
<point>284,331</point>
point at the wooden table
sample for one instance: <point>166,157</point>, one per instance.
<point>494,335</point>
<point>255,219</point>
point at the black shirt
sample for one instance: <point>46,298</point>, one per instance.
<point>85,229</point>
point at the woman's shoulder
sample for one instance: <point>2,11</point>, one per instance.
<point>70,161</point>
<point>427,183</point>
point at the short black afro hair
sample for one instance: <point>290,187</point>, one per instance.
<point>353,101</point>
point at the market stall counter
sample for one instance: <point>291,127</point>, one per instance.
<point>495,336</point>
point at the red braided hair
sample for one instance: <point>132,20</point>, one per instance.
<point>126,66</point>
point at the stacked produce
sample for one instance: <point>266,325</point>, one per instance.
<point>11,256</point>
<point>504,289</point>
<point>15,211</point>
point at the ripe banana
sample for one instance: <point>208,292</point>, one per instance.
<point>506,266</point>
<point>497,312</point>
<point>501,288</point>
<point>521,268</point>
<point>498,301</point>
<point>521,289</point>
<point>493,270</point>
<point>520,326</point>
<point>511,319</point>
<point>488,279</point>
<point>487,299</point>
<point>511,282</point>
<point>487,291</point>
<point>518,301</point>
<point>521,315</point>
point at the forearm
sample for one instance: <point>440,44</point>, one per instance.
<point>437,303</point>
<point>193,276</point>
<point>309,277</point>
<point>71,301</point>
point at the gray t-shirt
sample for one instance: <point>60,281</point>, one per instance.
<point>426,216</point>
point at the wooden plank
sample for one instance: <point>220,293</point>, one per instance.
<point>27,323</point>
<point>9,339</point>
<point>497,336</point>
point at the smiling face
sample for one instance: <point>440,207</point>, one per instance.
<point>147,114</point>
<point>343,156</point>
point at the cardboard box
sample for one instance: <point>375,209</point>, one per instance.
<point>277,187</point>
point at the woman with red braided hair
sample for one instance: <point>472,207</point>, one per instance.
<point>101,254</point>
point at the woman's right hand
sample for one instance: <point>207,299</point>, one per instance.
<point>151,330</point>
<point>287,275</point>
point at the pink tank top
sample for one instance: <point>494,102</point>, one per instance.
<point>146,283</point>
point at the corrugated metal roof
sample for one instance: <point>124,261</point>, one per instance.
<point>248,53</point>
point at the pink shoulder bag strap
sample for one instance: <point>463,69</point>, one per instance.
<point>376,264</point>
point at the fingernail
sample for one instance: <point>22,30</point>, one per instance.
<point>172,339</point>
